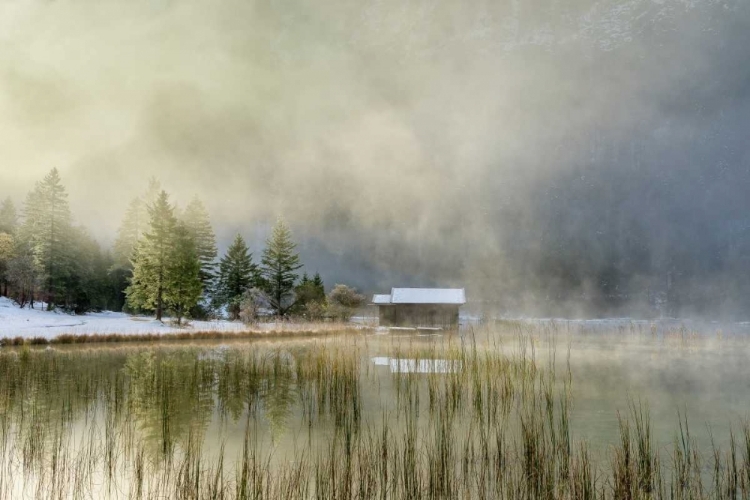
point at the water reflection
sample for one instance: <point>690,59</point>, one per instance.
<point>418,365</point>
<point>334,406</point>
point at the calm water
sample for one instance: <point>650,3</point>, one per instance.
<point>158,399</point>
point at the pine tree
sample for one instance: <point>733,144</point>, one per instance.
<point>134,225</point>
<point>320,289</point>
<point>79,290</point>
<point>45,234</point>
<point>90,285</point>
<point>279,266</point>
<point>183,285</point>
<point>198,224</point>
<point>131,230</point>
<point>26,269</point>
<point>8,217</point>
<point>151,259</point>
<point>22,276</point>
<point>310,296</point>
<point>153,191</point>
<point>8,223</point>
<point>7,253</point>
<point>237,275</point>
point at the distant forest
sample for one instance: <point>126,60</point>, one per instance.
<point>164,262</point>
<point>631,240</point>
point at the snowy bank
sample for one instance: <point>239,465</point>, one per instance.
<point>34,323</point>
<point>27,323</point>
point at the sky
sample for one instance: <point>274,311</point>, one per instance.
<point>492,145</point>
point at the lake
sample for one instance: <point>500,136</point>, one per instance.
<point>510,411</point>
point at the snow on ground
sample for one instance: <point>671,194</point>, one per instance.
<point>17,322</point>
<point>27,323</point>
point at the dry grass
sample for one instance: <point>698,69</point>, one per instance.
<point>178,336</point>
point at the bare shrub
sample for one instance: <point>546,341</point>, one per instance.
<point>254,303</point>
<point>343,301</point>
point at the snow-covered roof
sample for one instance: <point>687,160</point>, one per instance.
<point>428,296</point>
<point>381,299</point>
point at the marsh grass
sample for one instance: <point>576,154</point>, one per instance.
<point>138,422</point>
<point>301,331</point>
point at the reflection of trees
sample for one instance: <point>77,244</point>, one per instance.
<point>328,383</point>
<point>236,388</point>
<point>260,380</point>
<point>278,397</point>
<point>166,395</point>
<point>170,396</point>
<point>44,392</point>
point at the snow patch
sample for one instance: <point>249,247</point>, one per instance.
<point>27,323</point>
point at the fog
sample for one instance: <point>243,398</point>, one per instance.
<point>569,158</point>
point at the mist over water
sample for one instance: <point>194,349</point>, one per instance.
<point>555,158</point>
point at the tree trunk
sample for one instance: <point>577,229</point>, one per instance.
<point>278,296</point>
<point>160,291</point>
<point>50,296</point>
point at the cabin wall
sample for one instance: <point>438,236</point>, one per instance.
<point>412,315</point>
<point>387,315</point>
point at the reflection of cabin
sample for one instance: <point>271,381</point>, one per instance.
<point>427,307</point>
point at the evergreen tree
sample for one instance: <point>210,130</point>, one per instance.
<point>45,234</point>
<point>183,285</point>
<point>22,277</point>
<point>131,230</point>
<point>134,225</point>
<point>320,289</point>
<point>8,217</point>
<point>104,288</point>
<point>198,225</point>
<point>151,259</point>
<point>7,253</point>
<point>237,275</point>
<point>31,220</point>
<point>84,252</point>
<point>310,297</point>
<point>8,223</point>
<point>89,285</point>
<point>279,266</point>
<point>26,238</point>
<point>153,191</point>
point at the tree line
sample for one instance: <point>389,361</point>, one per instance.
<point>164,261</point>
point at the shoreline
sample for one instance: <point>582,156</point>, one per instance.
<point>121,338</point>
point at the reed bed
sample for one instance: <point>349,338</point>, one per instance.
<point>289,331</point>
<point>315,420</point>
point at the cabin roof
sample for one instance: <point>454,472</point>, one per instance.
<point>428,296</point>
<point>381,299</point>
<point>454,296</point>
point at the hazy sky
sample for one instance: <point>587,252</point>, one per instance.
<point>398,137</point>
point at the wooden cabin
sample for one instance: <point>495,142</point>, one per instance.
<point>420,307</point>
